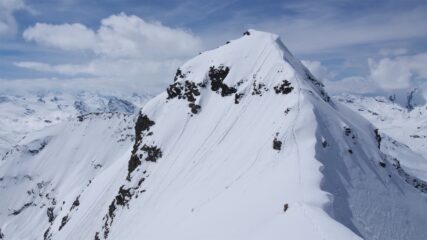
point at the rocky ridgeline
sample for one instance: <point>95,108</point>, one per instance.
<point>185,89</point>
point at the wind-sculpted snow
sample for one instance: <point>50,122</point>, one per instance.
<point>267,155</point>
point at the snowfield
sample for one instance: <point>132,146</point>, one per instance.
<point>244,144</point>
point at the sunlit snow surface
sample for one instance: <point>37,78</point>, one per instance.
<point>207,163</point>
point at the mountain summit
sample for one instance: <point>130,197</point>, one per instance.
<point>244,144</point>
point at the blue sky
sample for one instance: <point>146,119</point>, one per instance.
<point>357,46</point>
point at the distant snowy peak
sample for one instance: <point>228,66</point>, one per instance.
<point>104,104</point>
<point>408,98</point>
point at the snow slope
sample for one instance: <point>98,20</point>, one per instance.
<point>244,144</point>
<point>43,175</point>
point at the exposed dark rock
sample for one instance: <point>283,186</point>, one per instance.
<point>314,80</point>
<point>247,33</point>
<point>187,92</point>
<point>47,235</point>
<point>217,76</point>
<point>97,166</point>
<point>378,138</point>
<point>237,97</point>
<point>319,84</point>
<point>277,145</point>
<point>240,82</point>
<point>143,124</point>
<point>347,131</point>
<point>178,75</point>
<point>204,83</point>
<point>76,203</point>
<point>417,136</point>
<point>63,222</point>
<point>287,110</point>
<point>97,236</point>
<point>133,163</point>
<point>285,207</point>
<point>325,96</point>
<point>25,206</point>
<point>175,90</point>
<point>125,194</point>
<point>382,164</point>
<point>283,88</point>
<point>123,197</point>
<point>50,215</point>
<point>140,182</point>
<point>111,209</point>
<point>257,89</point>
<point>153,153</point>
<point>350,151</point>
<point>195,109</point>
<point>191,91</point>
<point>1,234</point>
<point>39,149</point>
<point>324,143</point>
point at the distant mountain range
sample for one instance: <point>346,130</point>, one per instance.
<point>20,115</point>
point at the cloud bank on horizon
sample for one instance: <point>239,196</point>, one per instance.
<point>360,47</point>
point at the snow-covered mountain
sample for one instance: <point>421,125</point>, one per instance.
<point>244,144</point>
<point>22,114</point>
<point>408,126</point>
<point>408,98</point>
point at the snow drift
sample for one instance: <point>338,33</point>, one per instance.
<point>244,144</point>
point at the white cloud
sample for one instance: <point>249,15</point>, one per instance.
<point>125,49</point>
<point>8,23</point>
<point>386,75</point>
<point>130,36</point>
<point>119,36</point>
<point>66,36</point>
<point>399,72</point>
